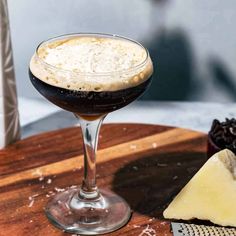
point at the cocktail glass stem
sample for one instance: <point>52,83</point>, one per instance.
<point>88,210</point>
<point>90,131</point>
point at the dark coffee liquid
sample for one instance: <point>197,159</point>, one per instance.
<point>85,103</point>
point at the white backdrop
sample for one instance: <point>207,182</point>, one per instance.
<point>205,28</point>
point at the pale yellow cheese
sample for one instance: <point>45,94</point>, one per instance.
<point>210,194</point>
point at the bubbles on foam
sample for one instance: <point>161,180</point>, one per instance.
<point>75,57</point>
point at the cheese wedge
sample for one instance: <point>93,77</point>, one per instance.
<point>210,194</point>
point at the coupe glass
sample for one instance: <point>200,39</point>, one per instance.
<point>87,209</point>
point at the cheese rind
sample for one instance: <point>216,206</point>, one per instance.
<point>210,194</point>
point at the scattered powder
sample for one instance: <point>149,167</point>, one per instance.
<point>163,223</point>
<point>50,193</point>
<point>67,206</point>
<point>175,177</point>
<point>41,178</point>
<point>32,199</point>
<point>37,172</point>
<point>31,221</point>
<point>73,186</point>
<point>179,164</point>
<point>136,226</point>
<point>191,170</point>
<point>124,129</point>
<point>59,190</point>
<point>49,181</point>
<point>135,167</point>
<point>59,202</point>
<point>31,203</point>
<point>154,145</point>
<point>148,231</point>
<point>133,146</point>
<point>162,164</point>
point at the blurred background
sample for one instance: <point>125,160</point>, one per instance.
<point>192,43</point>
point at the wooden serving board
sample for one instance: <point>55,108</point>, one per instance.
<point>146,164</point>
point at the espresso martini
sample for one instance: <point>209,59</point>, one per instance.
<point>90,75</point>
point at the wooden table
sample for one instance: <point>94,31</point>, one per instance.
<point>146,164</point>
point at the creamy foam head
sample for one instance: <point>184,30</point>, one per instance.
<point>91,63</point>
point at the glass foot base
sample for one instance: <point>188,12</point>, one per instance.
<point>107,213</point>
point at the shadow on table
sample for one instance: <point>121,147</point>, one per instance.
<point>150,183</point>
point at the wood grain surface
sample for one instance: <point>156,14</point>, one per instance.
<point>146,164</point>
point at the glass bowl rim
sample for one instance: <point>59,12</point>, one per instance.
<point>84,34</point>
